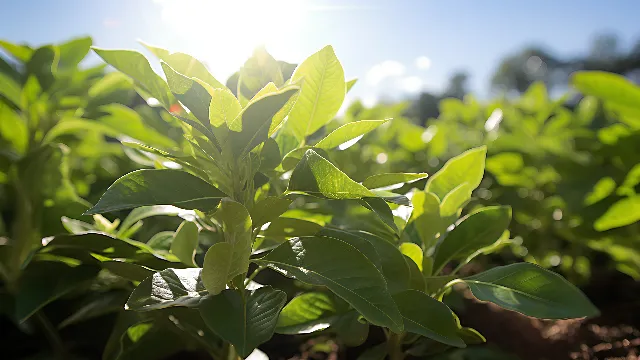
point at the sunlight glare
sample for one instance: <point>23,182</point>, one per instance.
<point>225,33</point>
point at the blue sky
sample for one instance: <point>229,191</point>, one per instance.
<point>377,41</point>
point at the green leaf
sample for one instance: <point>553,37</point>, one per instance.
<point>190,92</point>
<point>284,228</point>
<point>128,122</point>
<point>102,304</point>
<point>381,209</point>
<point>631,180</point>
<point>350,330</point>
<point>136,66</point>
<point>608,87</point>
<point>237,230</point>
<point>13,129</point>
<point>144,212</point>
<point>467,167</point>
<point>391,179</point>
<point>428,317</point>
<point>215,271</point>
<point>224,109</point>
<point>477,230</point>
<point>20,52</point>
<point>349,274</point>
<point>307,313</point>
<point>73,51</point>
<point>185,64</point>
<point>532,291</point>
<point>44,282</point>
<point>269,209</point>
<point>244,322</point>
<point>348,132</point>
<point>392,262</point>
<point>170,287</point>
<point>72,125</point>
<point>378,352</point>
<point>321,95</point>
<point>256,119</point>
<point>416,279</point>
<point>258,71</point>
<point>452,204</point>
<point>10,89</point>
<point>425,218</point>
<point>185,242</point>
<point>623,212</point>
<point>316,176</point>
<point>127,270</point>
<point>350,83</point>
<point>158,187</point>
<point>413,252</point>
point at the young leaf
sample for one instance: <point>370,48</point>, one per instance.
<point>349,274</point>
<point>190,92</point>
<point>237,230</point>
<point>185,242</point>
<point>350,83</point>
<point>224,109</point>
<point>256,120</point>
<point>144,212</point>
<point>425,218</point>
<point>428,317</point>
<point>532,291</point>
<point>158,187</point>
<point>452,204</point>
<point>477,230</point>
<point>244,322</point>
<point>136,66</point>
<point>390,179</point>
<point>322,93</point>
<point>171,287</point>
<point>623,212</point>
<point>217,263</point>
<point>307,313</point>
<point>467,167</point>
<point>185,64</point>
<point>413,252</point>
<point>348,132</point>
<point>10,89</point>
<point>316,176</point>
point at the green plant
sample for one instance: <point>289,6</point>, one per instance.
<point>236,177</point>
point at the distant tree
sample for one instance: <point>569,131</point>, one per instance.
<point>426,107</point>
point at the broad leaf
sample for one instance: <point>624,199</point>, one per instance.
<point>237,230</point>
<point>321,95</point>
<point>224,109</point>
<point>10,89</point>
<point>144,212</point>
<point>171,287</point>
<point>391,179</point>
<point>413,252</point>
<point>245,322</point>
<point>158,187</point>
<point>316,176</point>
<point>268,209</point>
<point>307,313</point>
<point>349,275</point>
<point>185,242</point>
<point>467,167</point>
<point>608,87</point>
<point>393,266</point>
<point>623,212</point>
<point>428,317</point>
<point>256,119</point>
<point>425,218</point>
<point>476,231</point>
<point>348,132</point>
<point>135,65</point>
<point>190,92</point>
<point>532,291</point>
<point>453,202</point>
<point>217,263</point>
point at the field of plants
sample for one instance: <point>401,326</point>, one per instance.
<point>177,215</point>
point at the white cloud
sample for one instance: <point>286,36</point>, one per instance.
<point>411,84</point>
<point>423,63</point>
<point>369,100</point>
<point>384,70</point>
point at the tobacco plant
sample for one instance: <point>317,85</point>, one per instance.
<point>250,173</point>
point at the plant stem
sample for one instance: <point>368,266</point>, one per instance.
<point>394,346</point>
<point>52,336</point>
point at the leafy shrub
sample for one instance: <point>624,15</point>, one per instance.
<point>260,198</point>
